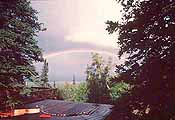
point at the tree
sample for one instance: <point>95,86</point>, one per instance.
<point>44,74</point>
<point>80,92</point>
<point>146,35</point>
<point>54,84</point>
<point>118,89</point>
<point>76,93</point>
<point>67,91</point>
<point>18,46</point>
<point>97,78</point>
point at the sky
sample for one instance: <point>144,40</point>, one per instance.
<point>75,29</point>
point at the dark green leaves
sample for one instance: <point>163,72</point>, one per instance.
<point>146,35</point>
<point>18,45</point>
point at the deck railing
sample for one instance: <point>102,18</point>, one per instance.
<point>39,93</point>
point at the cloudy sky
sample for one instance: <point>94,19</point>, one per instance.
<point>75,28</point>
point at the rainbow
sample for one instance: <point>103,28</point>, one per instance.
<point>51,55</point>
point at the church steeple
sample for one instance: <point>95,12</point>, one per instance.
<point>73,80</point>
<point>54,84</point>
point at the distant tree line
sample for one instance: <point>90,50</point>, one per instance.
<point>98,87</point>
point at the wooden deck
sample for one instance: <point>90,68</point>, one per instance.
<point>77,111</point>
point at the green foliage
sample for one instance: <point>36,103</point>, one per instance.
<point>26,91</point>
<point>118,89</point>
<point>81,92</point>
<point>12,102</point>
<point>67,92</point>
<point>146,35</point>
<point>76,93</point>
<point>98,75</point>
<point>18,46</point>
<point>44,74</point>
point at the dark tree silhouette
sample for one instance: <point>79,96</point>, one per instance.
<point>98,76</point>
<point>44,74</point>
<point>18,46</point>
<point>147,36</point>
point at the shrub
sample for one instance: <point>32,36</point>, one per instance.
<point>118,89</point>
<point>76,93</point>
